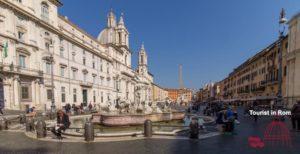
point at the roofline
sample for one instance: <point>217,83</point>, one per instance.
<point>294,17</point>
<point>252,58</point>
<point>57,2</point>
<point>78,28</point>
<point>158,86</point>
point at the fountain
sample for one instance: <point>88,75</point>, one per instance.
<point>125,113</point>
<point>125,118</point>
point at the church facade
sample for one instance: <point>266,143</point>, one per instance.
<point>45,58</point>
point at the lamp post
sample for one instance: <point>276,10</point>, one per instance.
<point>282,21</point>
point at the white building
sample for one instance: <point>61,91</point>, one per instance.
<point>86,70</point>
<point>293,61</point>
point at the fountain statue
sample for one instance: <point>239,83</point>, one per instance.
<point>123,112</point>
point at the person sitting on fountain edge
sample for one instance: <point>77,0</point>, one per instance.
<point>62,124</point>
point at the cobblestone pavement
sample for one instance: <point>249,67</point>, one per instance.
<point>13,142</point>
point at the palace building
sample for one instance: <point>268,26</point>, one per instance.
<point>37,42</point>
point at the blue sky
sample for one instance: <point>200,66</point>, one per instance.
<point>208,37</point>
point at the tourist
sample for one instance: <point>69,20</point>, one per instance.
<point>220,120</point>
<point>73,108</point>
<point>81,108</point>
<point>1,108</point>
<point>1,112</point>
<point>90,106</point>
<point>187,120</point>
<point>296,116</point>
<point>194,129</point>
<point>62,124</point>
<point>230,120</point>
<point>68,108</point>
<point>31,112</point>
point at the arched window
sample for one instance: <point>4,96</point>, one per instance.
<point>45,11</point>
<point>142,59</point>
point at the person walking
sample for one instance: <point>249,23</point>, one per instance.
<point>1,108</point>
<point>194,128</point>
<point>62,124</point>
<point>296,116</point>
<point>1,112</point>
<point>230,119</point>
<point>68,108</point>
<point>90,106</point>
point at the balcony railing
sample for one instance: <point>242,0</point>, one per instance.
<point>85,83</point>
<point>20,70</point>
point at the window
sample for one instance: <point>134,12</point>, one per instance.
<point>83,61</point>
<point>61,41</point>
<point>142,59</point>
<point>94,79</point>
<point>25,92</point>
<point>47,46</point>
<point>125,59</point>
<point>62,71</point>
<point>61,52</point>
<point>22,61</point>
<point>93,65</point>
<point>101,83</point>
<point>108,97</point>
<point>285,70</point>
<point>45,11</point>
<point>84,77</point>
<point>48,68</point>
<point>49,94</point>
<point>20,35</point>
<point>20,1</point>
<point>101,66</point>
<point>101,97</point>
<point>74,95</point>
<point>108,82</point>
<point>120,38</point>
<point>94,96</point>
<point>63,94</point>
<point>107,67</point>
<point>74,74</point>
<point>73,56</point>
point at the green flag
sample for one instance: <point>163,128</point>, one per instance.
<point>5,48</point>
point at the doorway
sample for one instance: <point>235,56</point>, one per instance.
<point>84,97</point>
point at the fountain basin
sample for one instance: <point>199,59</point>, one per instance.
<point>135,119</point>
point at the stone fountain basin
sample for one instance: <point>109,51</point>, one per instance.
<point>135,119</point>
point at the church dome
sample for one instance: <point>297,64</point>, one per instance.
<point>106,36</point>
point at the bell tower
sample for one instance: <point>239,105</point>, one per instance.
<point>143,61</point>
<point>122,33</point>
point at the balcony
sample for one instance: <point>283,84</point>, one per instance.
<point>20,70</point>
<point>85,84</point>
<point>127,71</point>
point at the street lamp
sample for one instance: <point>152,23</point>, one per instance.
<point>282,21</point>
